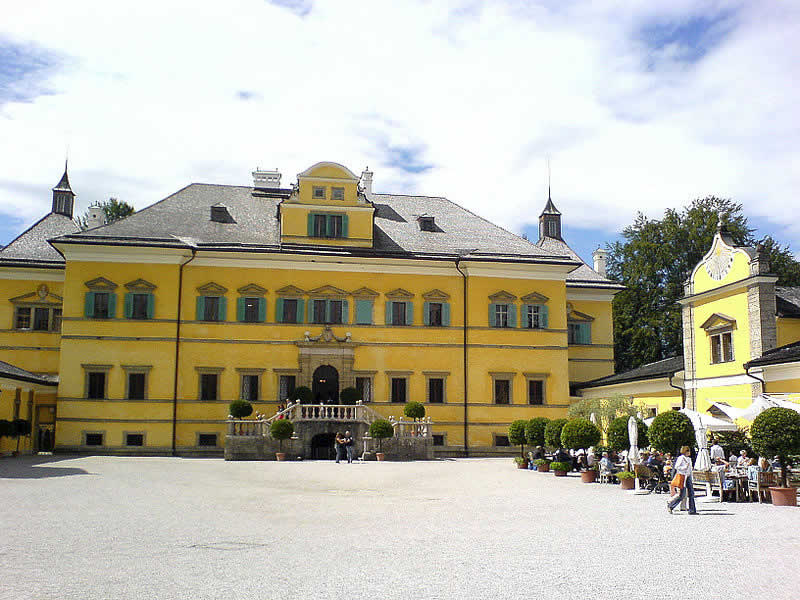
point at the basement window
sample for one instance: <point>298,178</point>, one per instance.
<point>207,439</point>
<point>134,439</point>
<point>93,439</point>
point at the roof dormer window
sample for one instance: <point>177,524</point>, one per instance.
<point>426,223</point>
<point>220,214</point>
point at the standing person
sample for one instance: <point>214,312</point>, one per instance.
<point>338,444</point>
<point>716,452</point>
<point>349,446</point>
<point>683,466</point>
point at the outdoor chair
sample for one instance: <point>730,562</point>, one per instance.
<point>607,477</point>
<point>709,481</point>
<point>653,480</point>
<point>761,486</point>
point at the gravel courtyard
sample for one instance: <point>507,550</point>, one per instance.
<point>119,527</point>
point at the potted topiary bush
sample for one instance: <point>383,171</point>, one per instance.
<point>670,430</point>
<point>581,433</point>
<point>349,396</point>
<point>522,463</point>
<point>281,429</point>
<point>542,465</point>
<point>534,431</point>
<point>552,433</point>
<point>239,409</point>
<point>618,438</point>
<point>380,429</point>
<point>626,481</point>
<point>303,394</point>
<point>560,469</point>
<point>776,432</point>
<point>516,436</point>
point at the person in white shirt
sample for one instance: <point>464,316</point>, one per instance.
<point>716,452</point>
<point>683,466</point>
<point>742,460</point>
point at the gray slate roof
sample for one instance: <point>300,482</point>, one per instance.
<point>584,275</point>
<point>9,371</point>
<point>783,354</point>
<point>661,368</point>
<point>31,246</point>
<point>787,300</point>
<point>186,215</point>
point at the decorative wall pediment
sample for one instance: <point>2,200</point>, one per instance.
<point>251,289</point>
<point>399,293</point>
<point>436,294</point>
<point>42,295</point>
<point>290,290</point>
<point>574,315</point>
<point>328,290</point>
<point>212,289</point>
<point>140,285</point>
<point>364,292</point>
<point>502,296</point>
<point>718,321</point>
<point>101,284</point>
<point>535,298</point>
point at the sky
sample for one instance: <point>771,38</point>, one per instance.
<point>637,105</point>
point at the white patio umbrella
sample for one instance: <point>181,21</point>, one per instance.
<point>633,439</point>
<point>749,413</point>
<point>700,420</point>
<point>703,462</point>
<point>593,418</point>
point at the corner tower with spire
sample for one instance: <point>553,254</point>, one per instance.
<point>550,220</point>
<point>63,196</point>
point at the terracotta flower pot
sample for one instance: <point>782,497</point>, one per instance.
<point>626,484</point>
<point>783,496</point>
<point>380,456</point>
<point>522,465</point>
<point>560,473</point>
<point>544,468</point>
<point>281,456</point>
<point>588,476</point>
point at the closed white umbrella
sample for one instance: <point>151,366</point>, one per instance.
<point>633,438</point>
<point>593,418</point>
<point>703,462</point>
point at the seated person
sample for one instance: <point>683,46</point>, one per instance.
<point>606,466</point>
<point>562,456</point>
<point>667,464</point>
<point>720,466</point>
<point>764,464</point>
<point>655,462</point>
<point>591,459</point>
<point>776,463</point>
<point>742,460</point>
<point>538,453</point>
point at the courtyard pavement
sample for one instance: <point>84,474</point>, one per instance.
<point>179,528</point>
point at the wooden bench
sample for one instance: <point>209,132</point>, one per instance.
<point>709,481</point>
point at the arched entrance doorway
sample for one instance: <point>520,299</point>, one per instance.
<point>325,385</point>
<point>322,446</point>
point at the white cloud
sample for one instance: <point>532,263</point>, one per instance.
<point>152,96</point>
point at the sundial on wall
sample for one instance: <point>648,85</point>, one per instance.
<point>718,265</point>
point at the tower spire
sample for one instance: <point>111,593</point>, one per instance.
<point>63,196</point>
<point>550,219</point>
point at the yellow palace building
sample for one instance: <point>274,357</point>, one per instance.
<point>150,326</point>
<point>741,338</point>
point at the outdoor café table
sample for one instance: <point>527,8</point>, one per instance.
<point>740,481</point>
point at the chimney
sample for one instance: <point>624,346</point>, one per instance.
<point>366,180</point>
<point>600,257</point>
<point>96,217</point>
<point>263,179</point>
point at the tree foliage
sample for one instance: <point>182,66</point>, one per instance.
<point>552,432</point>
<point>604,409</point>
<point>303,394</point>
<point>516,434</point>
<point>349,395</point>
<point>414,410</point>
<point>670,430</point>
<point>534,431</point>
<point>776,432</point>
<point>113,210</point>
<point>381,429</point>
<point>281,429</point>
<point>239,409</point>
<point>579,433</point>
<point>618,438</point>
<point>654,259</point>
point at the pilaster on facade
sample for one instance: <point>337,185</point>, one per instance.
<point>761,315</point>
<point>689,358</point>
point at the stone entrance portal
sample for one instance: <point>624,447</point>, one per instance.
<point>325,385</point>
<point>322,446</point>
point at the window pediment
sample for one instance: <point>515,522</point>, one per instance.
<point>140,285</point>
<point>212,289</point>
<point>101,284</point>
<point>436,294</point>
<point>251,289</point>
<point>328,290</point>
<point>502,296</point>
<point>42,295</point>
<point>399,293</point>
<point>290,290</point>
<point>364,292</point>
<point>535,298</point>
<point>718,322</point>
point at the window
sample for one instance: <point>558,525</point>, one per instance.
<point>320,226</point>
<point>41,319</point>
<point>251,310</point>
<point>96,385</point>
<point>101,305</point>
<point>92,439</point>
<point>56,324</point>
<point>319,310</point>
<point>250,385</point>
<point>579,333</point>
<point>139,304</point>
<point>436,390</point>
<point>722,347</point>
<point>501,440</point>
<point>337,193</point>
<point>502,315</point>
<point>136,386</point>
<point>335,311</point>
<point>438,439</point>
<point>23,318</point>
<point>207,439</point>
<point>534,316</point>
<point>134,439</point>
<point>211,309</point>
<point>364,387</point>
<point>363,312</point>
<point>502,391</point>
<point>209,386</point>
<point>329,311</point>
<point>399,313</point>
<point>319,192</point>
<point>286,385</point>
<point>427,223</point>
<point>399,385</point>
<point>327,226</point>
<point>335,226</point>
<point>435,314</point>
<point>288,310</point>
<point>535,391</point>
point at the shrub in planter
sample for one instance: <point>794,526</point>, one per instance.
<point>776,432</point>
<point>617,434</point>
<point>516,435</point>
<point>521,463</point>
<point>670,430</point>
<point>542,465</point>
<point>239,409</point>
<point>552,432</point>
<point>560,467</point>
<point>281,429</point>
<point>414,410</point>
<point>534,431</point>
<point>349,396</point>
<point>381,429</point>
<point>579,433</point>
<point>303,394</point>
<point>625,479</point>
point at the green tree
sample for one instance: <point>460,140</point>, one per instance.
<point>113,210</point>
<point>414,410</point>
<point>618,438</point>
<point>654,259</point>
<point>534,431</point>
<point>380,429</point>
<point>776,432</point>
<point>552,432</point>
<point>604,409</point>
<point>239,409</point>
<point>670,430</point>
<point>516,435</point>
<point>579,433</point>
<point>280,430</point>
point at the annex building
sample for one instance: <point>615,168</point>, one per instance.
<point>135,336</point>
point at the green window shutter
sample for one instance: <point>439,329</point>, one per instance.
<point>363,312</point>
<point>344,226</point>
<point>310,311</point>
<point>327,311</point>
<point>201,308</point>
<point>586,333</point>
<point>409,313</point>
<point>446,314</point>
<point>262,310</point>
<point>88,307</point>
<point>492,315</point>
<point>240,302</point>
<point>543,312</point>
<point>389,312</point>
<point>512,315</point>
<point>112,305</point>
<point>300,309</point>
<point>279,310</point>
<point>151,306</point>
<point>526,318</point>
<point>426,313</point>
<point>345,312</point>
<point>223,309</point>
<point>128,307</point>
<point>310,224</point>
